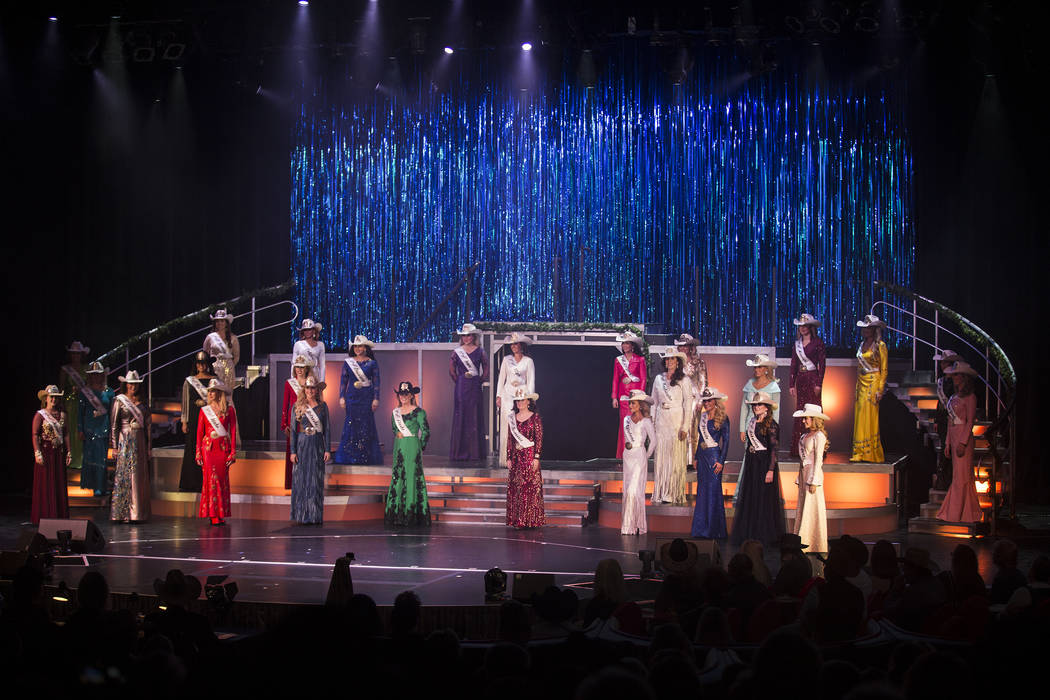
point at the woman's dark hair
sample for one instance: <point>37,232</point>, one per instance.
<point>524,348</point>
<point>767,424</point>
<point>368,351</point>
<point>532,406</point>
<point>229,330</point>
<point>679,373</point>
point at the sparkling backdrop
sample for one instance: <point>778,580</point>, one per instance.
<point>785,197</point>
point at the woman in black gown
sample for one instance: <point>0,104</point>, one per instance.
<point>760,510</point>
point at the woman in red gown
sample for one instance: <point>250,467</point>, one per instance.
<point>524,480</point>
<point>808,362</point>
<point>629,372</point>
<point>293,387</point>
<point>51,452</point>
<point>216,451</point>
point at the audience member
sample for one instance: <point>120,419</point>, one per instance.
<point>939,676</point>
<point>885,566</point>
<point>190,633</point>
<point>1008,578</point>
<point>834,609</point>
<point>745,592</point>
<point>915,593</point>
<point>1036,593</point>
<point>858,575</point>
<point>964,578</point>
<point>786,666</point>
<point>795,569</point>
<point>515,623</point>
<point>555,611</point>
<point>756,552</point>
<point>680,595</point>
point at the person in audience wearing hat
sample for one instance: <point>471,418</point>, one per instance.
<point>833,610</point>
<point>311,440</point>
<point>629,372</point>
<point>72,382</point>
<point>872,369</point>
<point>129,438</point>
<point>524,479</point>
<point>188,632</point>
<point>224,349</point>
<point>310,346</point>
<point>468,368</point>
<point>681,593</point>
<point>760,509</point>
<point>944,359</point>
<point>216,452</point>
<point>516,370</point>
<point>807,370</point>
<point>95,401</point>
<point>811,517</point>
<point>359,395</point>
<point>302,367</point>
<point>406,500</point>
<point>51,457</point>
<point>672,413</point>
<point>763,379</point>
<point>696,372</point>
<point>960,503</point>
<point>709,514</point>
<point>796,570</point>
<point>194,396</point>
<point>637,433</point>
<point>916,593</point>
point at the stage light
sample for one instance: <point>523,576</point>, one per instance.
<point>647,556</point>
<point>526,46</point>
<point>220,593</point>
<point>867,24</point>
<point>449,50</point>
<point>52,19</point>
<point>173,51</point>
<point>62,595</point>
<point>495,585</point>
<point>304,3</point>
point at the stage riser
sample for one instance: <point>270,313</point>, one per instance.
<point>860,525</point>
<point>271,511</point>
<point>838,486</point>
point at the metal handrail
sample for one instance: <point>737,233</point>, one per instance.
<point>465,278</point>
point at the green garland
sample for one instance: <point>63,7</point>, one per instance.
<point>563,327</point>
<point>195,317</point>
<point>969,329</point>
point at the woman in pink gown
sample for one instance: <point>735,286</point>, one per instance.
<point>524,480</point>
<point>960,503</point>
<point>629,372</point>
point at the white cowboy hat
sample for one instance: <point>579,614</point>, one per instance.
<point>132,377</point>
<point>521,393</point>
<point>361,340</point>
<point>710,393</point>
<point>312,381</point>
<point>872,321</point>
<point>639,395</point>
<point>468,329</point>
<point>945,355</point>
<point>516,337</point>
<point>95,368</point>
<point>216,385</point>
<point>308,324</point>
<point>628,337</point>
<point>686,339</point>
<point>806,320</point>
<point>762,397</point>
<point>49,390</point>
<point>670,352</point>
<point>811,410</point>
<point>303,361</point>
<point>77,346</point>
<point>961,367</point>
<point>221,315</point>
<point>761,360</point>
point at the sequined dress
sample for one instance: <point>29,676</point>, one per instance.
<point>635,475</point>
<point>96,441</point>
<point>807,383</point>
<point>359,443</point>
<point>525,481</point>
<point>226,355</point>
<point>216,453</point>
<point>709,513</point>
<point>671,413</point>
<point>131,483</point>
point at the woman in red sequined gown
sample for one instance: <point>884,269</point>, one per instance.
<point>216,452</point>
<point>524,480</point>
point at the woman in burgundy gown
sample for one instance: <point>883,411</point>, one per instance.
<point>808,362</point>
<point>524,480</point>
<point>51,452</point>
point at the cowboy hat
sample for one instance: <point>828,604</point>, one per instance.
<point>761,360</point>
<point>49,390</point>
<point>77,346</point>
<point>312,381</point>
<point>132,377</point>
<point>789,540</point>
<point>811,410</point>
<point>406,388</point>
<point>628,337</point>
<point>177,587</point>
<point>221,315</point>
<point>710,393</point>
<point>516,337</point>
<point>361,340</point>
<point>806,320</point>
<point>216,385</point>
<point>945,355</point>
<point>521,393</point>
<point>961,367</point>
<point>468,329</point>
<point>308,324</point>
<point>686,339</point>
<point>639,395</point>
<point>303,361</point>
<point>95,368</point>
<point>670,352</point>
<point>762,397</point>
<point>678,556</point>
<point>872,321</point>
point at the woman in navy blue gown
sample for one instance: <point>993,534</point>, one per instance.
<point>359,395</point>
<point>709,515</point>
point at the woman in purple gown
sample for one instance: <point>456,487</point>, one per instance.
<point>808,362</point>
<point>468,369</point>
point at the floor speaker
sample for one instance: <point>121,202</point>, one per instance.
<point>86,535</point>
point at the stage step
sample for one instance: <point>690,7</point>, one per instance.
<point>932,526</point>
<point>498,517</point>
<point>552,501</point>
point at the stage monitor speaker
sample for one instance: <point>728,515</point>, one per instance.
<point>32,542</point>
<point>708,551</point>
<point>527,583</point>
<point>86,535</point>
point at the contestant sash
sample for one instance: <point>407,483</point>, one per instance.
<point>800,352</point>
<point>864,366</point>
<point>665,389</point>
<point>625,365</point>
<point>296,386</point>
<point>222,347</point>
<point>515,369</point>
<point>941,396</point>
<point>628,432</point>
<point>704,432</point>
<point>399,421</point>
<point>315,420</point>
<point>756,444</point>
<point>132,408</point>
<point>468,364</point>
<point>85,390</point>
<point>362,378</point>
<point>956,420</point>
<point>201,390</point>
<point>52,421</point>
<point>213,418</point>
<point>523,442</point>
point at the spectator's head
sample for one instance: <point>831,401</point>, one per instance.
<point>714,585</point>
<point>786,665</point>
<point>506,660</point>
<point>177,589</point>
<point>836,679</point>
<point>515,624</point>
<point>405,615</point>
<point>884,562</point>
<point>713,629</point>
<point>669,636</point>
<point>791,547</point>
<point>608,581</point>
<point>754,549</point>
<point>614,684</point>
<point>673,675</point>
<point>839,562</point>
<point>939,675</point>
<point>964,562</point>
<point>1040,571</point>
<point>858,552</point>
<point>92,591</point>
<point>442,649</point>
<point>1004,554</point>
<point>915,564</point>
<point>363,617</point>
<point>740,568</point>
<point>556,605</point>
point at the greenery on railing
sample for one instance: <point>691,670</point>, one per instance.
<point>564,327</point>
<point>969,329</point>
<point>199,316</point>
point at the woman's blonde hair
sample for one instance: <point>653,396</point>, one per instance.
<point>818,425</point>
<point>221,402</point>
<point>719,414</point>
<point>608,581</point>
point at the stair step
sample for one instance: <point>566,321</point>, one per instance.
<point>492,504</point>
<point>932,526</point>
<point>929,510</point>
<point>460,517</point>
<point>500,488</point>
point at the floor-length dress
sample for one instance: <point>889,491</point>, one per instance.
<point>671,414</point>
<point>192,400</point>
<point>709,514</point>
<point>50,496</point>
<point>807,379</point>
<point>872,366</point>
<point>94,424</point>
<point>635,473</point>
<point>811,515</point>
<point>71,404</point>
<point>359,443</point>
<point>622,386</point>
<point>747,411</point>
<point>467,435</point>
<point>695,369</point>
<point>291,395</point>
<point>129,438</point>
<point>314,353</point>
<point>406,499</point>
<point>308,476</point>
<point>512,375</point>
<point>759,513</point>
<point>225,357</point>
<point>960,503</point>
<point>524,482</point>
<point>216,454</point>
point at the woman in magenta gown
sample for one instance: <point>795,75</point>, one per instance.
<point>524,480</point>
<point>808,362</point>
<point>51,452</point>
<point>629,372</point>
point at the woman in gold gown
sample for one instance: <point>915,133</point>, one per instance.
<point>872,366</point>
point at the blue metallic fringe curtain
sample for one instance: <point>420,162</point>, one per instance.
<point>783,197</point>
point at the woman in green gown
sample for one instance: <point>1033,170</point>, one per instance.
<point>406,501</point>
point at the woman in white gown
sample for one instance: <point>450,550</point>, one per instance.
<point>811,518</point>
<point>637,430</point>
<point>310,346</point>
<point>224,349</point>
<point>516,371</point>
<point>672,402</point>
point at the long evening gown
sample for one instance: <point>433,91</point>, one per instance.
<point>867,443</point>
<point>709,514</point>
<point>131,485</point>
<point>287,425</point>
<point>760,510</point>
<point>467,437</point>
<point>225,356</point>
<point>635,475</point>
<point>359,443</point>
<point>216,454</point>
<point>671,413</point>
<point>96,441</point>
<point>190,474</point>
<point>811,516</point>
<point>512,375</point>
<point>315,353</point>
<point>71,403</point>
<point>406,499</point>
<point>50,498</point>
<point>524,483</point>
<point>807,383</point>
<point>308,473</point>
<point>960,503</point>
<point>696,372</point>
<point>621,389</point>
<point>746,411</point>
